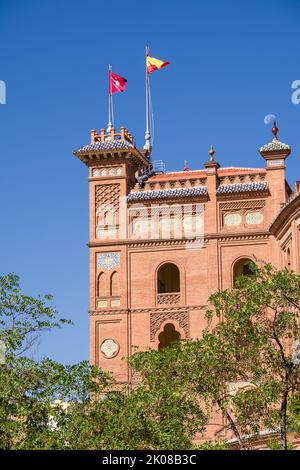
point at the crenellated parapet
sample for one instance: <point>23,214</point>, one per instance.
<point>112,146</point>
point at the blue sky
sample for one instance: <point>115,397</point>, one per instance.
<point>232,63</point>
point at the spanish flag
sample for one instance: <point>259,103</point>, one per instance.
<point>154,64</point>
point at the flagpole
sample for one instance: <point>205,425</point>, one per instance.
<point>110,123</point>
<point>147,145</point>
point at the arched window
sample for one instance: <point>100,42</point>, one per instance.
<point>101,285</point>
<point>288,259</point>
<point>168,279</point>
<point>106,215</point>
<point>242,268</point>
<point>115,284</point>
<point>168,336</point>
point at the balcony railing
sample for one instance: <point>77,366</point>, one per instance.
<point>173,298</point>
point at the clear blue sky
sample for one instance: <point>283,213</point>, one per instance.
<point>232,63</point>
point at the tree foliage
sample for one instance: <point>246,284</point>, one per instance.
<point>47,405</point>
<point>22,317</point>
<point>254,342</point>
<point>245,366</point>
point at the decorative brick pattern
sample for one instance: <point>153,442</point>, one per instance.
<point>107,195</point>
<point>156,320</point>
<point>235,214</point>
<point>168,299</point>
<point>236,205</point>
<point>151,310</point>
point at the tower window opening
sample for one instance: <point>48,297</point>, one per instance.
<point>242,268</point>
<point>168,336</point>
<point>115,285</point>
<point>101,285</point>
<point>168,279</point>
<point>288,259</point>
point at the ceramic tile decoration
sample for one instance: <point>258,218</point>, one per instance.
<point>109,348</point>
<point>108,260</point>
<point>254,218</point>
<point>232,219</point>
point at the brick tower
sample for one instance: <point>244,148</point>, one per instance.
<point>162,242</point>
<point>113,160</point>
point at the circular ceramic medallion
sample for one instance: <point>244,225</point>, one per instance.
<point>254,218</point>
<point>109,348</point>
<point>232,219</point>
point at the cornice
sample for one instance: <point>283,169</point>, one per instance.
<point>182,200</point>
<point>131,244</point>
<point>162,243</point>
<point>169,309</point>
<point>243,195</point>
<point>94,157</point>
<point>243,236</point>
<point>143,243</point>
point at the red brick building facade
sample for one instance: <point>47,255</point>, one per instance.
<point>161,243</point>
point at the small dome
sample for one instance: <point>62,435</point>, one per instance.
<point>274,146</point>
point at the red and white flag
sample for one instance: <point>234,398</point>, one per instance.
<point>116,83</point>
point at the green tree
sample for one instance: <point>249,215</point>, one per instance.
<point>158,413</point>
<point>258,329</point>
<point>166,397</point>
<point>47,405</point>
<point>244,364</point>
<point>23,318</point>
<point>252,337</point>
<point>294,413</point>
<point>32,393</point>
<point>38,399</point>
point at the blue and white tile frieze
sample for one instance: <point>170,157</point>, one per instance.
<point>108,260</point>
